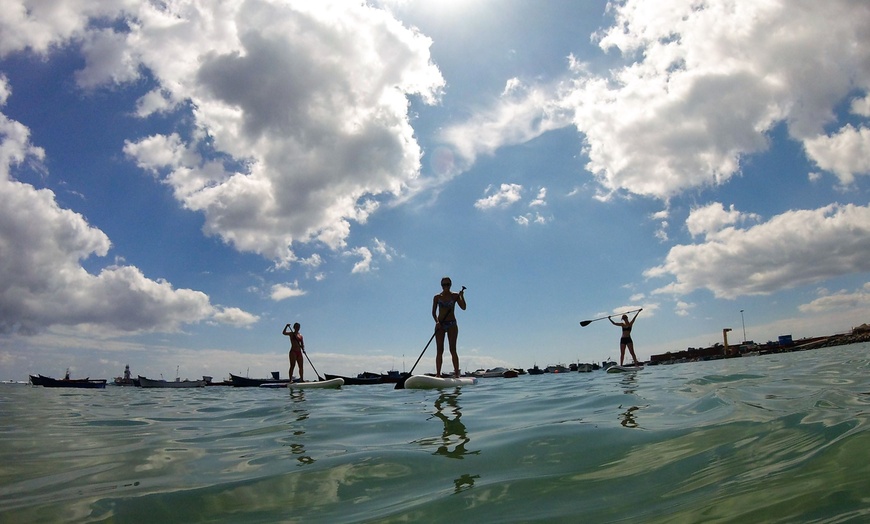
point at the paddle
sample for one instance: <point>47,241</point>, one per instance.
<point>312,367</point>
<point>401,383</point>
<point>587,322</point>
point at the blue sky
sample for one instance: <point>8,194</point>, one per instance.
<point>181,179</point>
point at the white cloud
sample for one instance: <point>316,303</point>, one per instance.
<point>701,87</point>
<point>284,291</point>
<point>310,98</point>
<point>541,199</point>
<point>530,218</point>
<point>712,218</point>
<point>43,284</point>
<point>839,301</point>
<point>791,249</point>
<point>364,265</point>
<point>845,153</point>
<point>503,197</point>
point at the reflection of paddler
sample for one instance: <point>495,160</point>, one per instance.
<point>452,426</point>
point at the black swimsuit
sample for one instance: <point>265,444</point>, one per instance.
<point>626,335</point>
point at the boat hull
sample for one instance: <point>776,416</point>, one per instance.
<point>81,383</point>
<point>245,382</point>
<point>170,384</point>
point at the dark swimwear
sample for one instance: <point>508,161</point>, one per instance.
<point>625,340</point>
<point>448,307</point>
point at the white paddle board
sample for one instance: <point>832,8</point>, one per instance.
<point>322,384</point>
<point>430,382</point>
<point>623,369</point>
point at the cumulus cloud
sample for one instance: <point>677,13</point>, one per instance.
<point>503,197</point>
<point>713,218</point>
<point>701,87</point>
<point>304,103</point>
<point>284,291</point>
<point>791,249</point>
<point>839,301</point>
<point>845,153</point>
<point>42,281</point>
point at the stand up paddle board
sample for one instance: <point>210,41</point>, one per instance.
<point>430,382</point>
<point>623,369</point>
<point>322,384</point>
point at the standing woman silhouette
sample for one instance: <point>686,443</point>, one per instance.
<point>444,312</point>
<point>625,340</point>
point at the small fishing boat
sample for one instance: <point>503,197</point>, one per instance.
<point>246,382</point>
<point>84,383</point>
<point>127,379</point>
<point>359,380</point>
<point>557,368</point>
<point>535,370</point>
<point>174,384</point>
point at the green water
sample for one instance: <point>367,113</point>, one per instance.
<point>780,438</point>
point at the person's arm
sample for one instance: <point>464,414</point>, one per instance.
<point>435,308</point>
<point>612,322</point>
<point>461,299</point>
<point>285,333</point>
<point>635,317</point>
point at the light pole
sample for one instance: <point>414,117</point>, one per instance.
<point>744,326</point>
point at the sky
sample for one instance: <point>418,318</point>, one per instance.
<point>180,179</point>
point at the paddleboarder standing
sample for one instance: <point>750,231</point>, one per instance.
<point>625,340</point>
<point>297,347</point>
<point>444,312</point>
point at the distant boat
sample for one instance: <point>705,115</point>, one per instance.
<point>127,379</point>
<point>584,368</point>
<point>85,383</point>
<point>245,382</point>
<point>557,368</point>
<point>535,370</point>
<point>497,372</point>
<point>360,380</point>
<point>174,384</point>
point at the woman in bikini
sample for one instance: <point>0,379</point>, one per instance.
<point>443,311</point>
<point>297,346</point>
<point>626,341</point>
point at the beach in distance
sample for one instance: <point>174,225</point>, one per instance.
<point>772,438</point>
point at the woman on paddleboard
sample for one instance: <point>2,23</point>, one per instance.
<point>625,340</point>
<point>443,311</point>
<point>297,347</point>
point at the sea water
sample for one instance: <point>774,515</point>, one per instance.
<point>776,438</point>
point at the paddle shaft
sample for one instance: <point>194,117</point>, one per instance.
<point>587,322</point>
<point>421,354</point>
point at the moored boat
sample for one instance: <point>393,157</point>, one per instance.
<point>246,382</point>
<point>84,383</point>
<point>359,380</point>
<point>174,384</point>
<point>127,379</point>
<point>535,370</point>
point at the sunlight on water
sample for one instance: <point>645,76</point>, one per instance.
<point>780,438</point>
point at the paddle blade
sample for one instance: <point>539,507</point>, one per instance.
<point>585,323</point>
<point>401,383</point>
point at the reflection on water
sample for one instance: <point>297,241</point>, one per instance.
<point>454,439</point>
<point>629,385</point>
<point>298,429</point>
<point>455,434</point>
